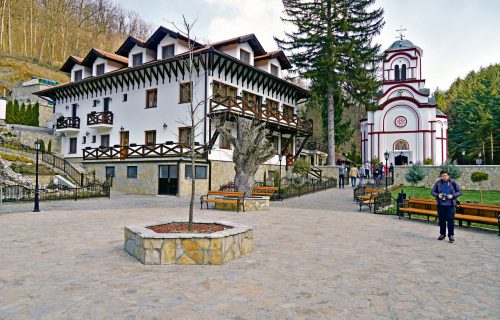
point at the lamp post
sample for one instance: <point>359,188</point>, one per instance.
<point>386,157</point>
<point>463,156</point>
<point>37,198</point>
<point>479,161</point>
<point>280,157</point>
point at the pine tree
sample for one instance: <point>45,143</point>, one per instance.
<point>22,114</point>
<point>36,114</point>
<point>15,112</point>
<point>453,171</point>
<point>29,114</point>
<point>414,175</point>
<point>333,47</point>
<point>49,146</point>
<point>8,112</point>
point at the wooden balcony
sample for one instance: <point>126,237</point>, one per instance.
<point>281,121</point>
<point>134,151</point>
<point>68,124</point>
<point>100,119</point>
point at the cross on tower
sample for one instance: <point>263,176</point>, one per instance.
<point>401,35</point>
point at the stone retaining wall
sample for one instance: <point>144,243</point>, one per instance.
<point>216,248</point>
<point>464,180</point>
<point>27,135</point>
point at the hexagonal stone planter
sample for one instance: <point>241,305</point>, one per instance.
<point>150,247</point>
<point>255,203</point>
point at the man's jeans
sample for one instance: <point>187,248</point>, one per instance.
<point>341,181</point>
<point>353,181</point>
<point>446,214</point>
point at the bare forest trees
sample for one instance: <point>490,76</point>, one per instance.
<point>50,30</point>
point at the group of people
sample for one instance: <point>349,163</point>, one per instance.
<point>366,171</point>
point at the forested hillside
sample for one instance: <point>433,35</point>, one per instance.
<point>473,107</point>
<point>51,30</point>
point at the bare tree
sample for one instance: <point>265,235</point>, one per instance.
<point>251,148</point>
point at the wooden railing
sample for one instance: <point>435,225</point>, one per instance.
<point>237,106</point>
<point>164,150</point>
<point>69,122</point>
<point>105,117</point>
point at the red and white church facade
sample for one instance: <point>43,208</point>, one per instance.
<point>406,123</point>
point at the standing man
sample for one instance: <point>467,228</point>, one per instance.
<point>446,192</point>
<point>354,174</point>
<point>391,171</point>
<point>342,172</point>
<point>362,173</point>
<point>367,169</point>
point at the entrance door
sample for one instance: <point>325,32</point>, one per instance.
<point>401,160</point>
<point>168,178</point>
<point>124,145</point>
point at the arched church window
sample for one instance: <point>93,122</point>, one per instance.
<point>401,145</point>
<point>403,72</point>
<point>396,73</point>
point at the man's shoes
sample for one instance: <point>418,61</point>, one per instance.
<point>452,239</point>
<point>441,237</point>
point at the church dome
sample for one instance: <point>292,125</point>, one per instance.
<point>402,44</point>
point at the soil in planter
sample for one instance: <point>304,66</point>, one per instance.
<point>182,227</point>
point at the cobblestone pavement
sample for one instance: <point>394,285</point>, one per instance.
<point>315,257</point>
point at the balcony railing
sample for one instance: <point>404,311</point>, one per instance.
<point>68,123</point>
<point>97,118</point>
<point>133,151</point>
<point>246,109</point>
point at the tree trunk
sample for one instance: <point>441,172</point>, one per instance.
<point>331,129</point>
<point>2,24</point>
<point>10,28</point>
<point>245,178</point>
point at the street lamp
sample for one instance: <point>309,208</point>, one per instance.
<point>386,157</point>
<point>479,161</point>
<point>37,198</point>
<point>280,157</point>
<point>463,156</point>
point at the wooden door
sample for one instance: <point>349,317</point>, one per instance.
<point>124,142</point>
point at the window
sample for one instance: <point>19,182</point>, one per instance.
<point>275,70</point>
<point>401,145</point>
<point>200,172</point>
<point>150,137</point>
<point>136,59</point>
<point>84,140</point>
<point>272,107</point>
<point>287,112</point>
<point>245,56</point>
<point>94,139</point>
<point>224,143</point>
<point>106,104</point>
<point>289,147</point>
<point>99,69</point>
<point>151,98</point>
<point>185,92</point>
<point>78,75</point>
<point>105,140</point>
<point>110,172</point>
<point>124,97</point>
<point>167,52</point>
<point>131,171</point>
<point>184,135</point>
<point>72,145</point>
<point>223,90</point>
<point>254,101</point>
<point>403,72</point>
<point>396,73</point>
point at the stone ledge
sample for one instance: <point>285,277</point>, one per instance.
<point>150,247</point>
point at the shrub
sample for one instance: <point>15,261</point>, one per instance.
<point>453,171</point>
<point>276,178</point>
<point>415,174</point>
<point>428,162</point>
<point>375,161</point>
<point>479,176</point>
<point>22,115</point>
<point>49,146</point>
<point>36,114</point>
<point>42,145</point>
<point>301,167</point>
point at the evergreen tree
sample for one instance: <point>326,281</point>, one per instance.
<point>333,47</point>
<point>15,112</point>
<point>414,175</point>
<point>29,114</point>
<point>49,146</point>
<point>8,112</point>
<point>36,114</point>
<point>42,145</point>
<point>22,114</point>
<point>453,171</point>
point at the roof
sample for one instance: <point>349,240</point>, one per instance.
<point>425,91</point>
<point>257,48</point>
<point>125,48</point>
<point>401,44</point>
<point>97,53</point>
<point>70,63</point>
<point>280,55</point>
<point>439,112</point>
<point>161,32</point>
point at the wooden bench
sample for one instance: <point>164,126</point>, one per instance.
<point>367,200</point>
<point>264,191</point>
<point>230,197</point>
<point>426,207</point>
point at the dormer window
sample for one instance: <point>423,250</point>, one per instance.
<point>78,75</point>
<point>245,56</point>
<point>274,70</point>
<point>167,52</point>
<point>137,59</point>
<point>99,69</point>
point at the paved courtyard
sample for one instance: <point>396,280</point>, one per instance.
<point>315,257</point>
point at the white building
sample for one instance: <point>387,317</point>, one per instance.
<point>406,123</point>
<point>125,113</point>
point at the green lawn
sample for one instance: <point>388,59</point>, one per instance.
<point>489,197</point>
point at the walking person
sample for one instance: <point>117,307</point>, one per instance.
<point>367,169</point>
<point>342,172</point>
<point>446,192</point>
<point>391,171</point>
<point>354,174</point>
<point>362,172</point>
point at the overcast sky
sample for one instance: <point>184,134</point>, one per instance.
<point>456,35</point>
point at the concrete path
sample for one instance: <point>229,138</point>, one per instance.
<point>315,257</point>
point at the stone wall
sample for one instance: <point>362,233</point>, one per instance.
<point>330,172</point>
<point>27,135</point>
<point>223,172</point>
<point>464,180</point>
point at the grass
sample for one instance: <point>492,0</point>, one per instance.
<point>489,197</point>
<point>26,166</point>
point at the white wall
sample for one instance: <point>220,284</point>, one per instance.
<point>108,66</point>
<point>3,109</point>
<point>86,72</point>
